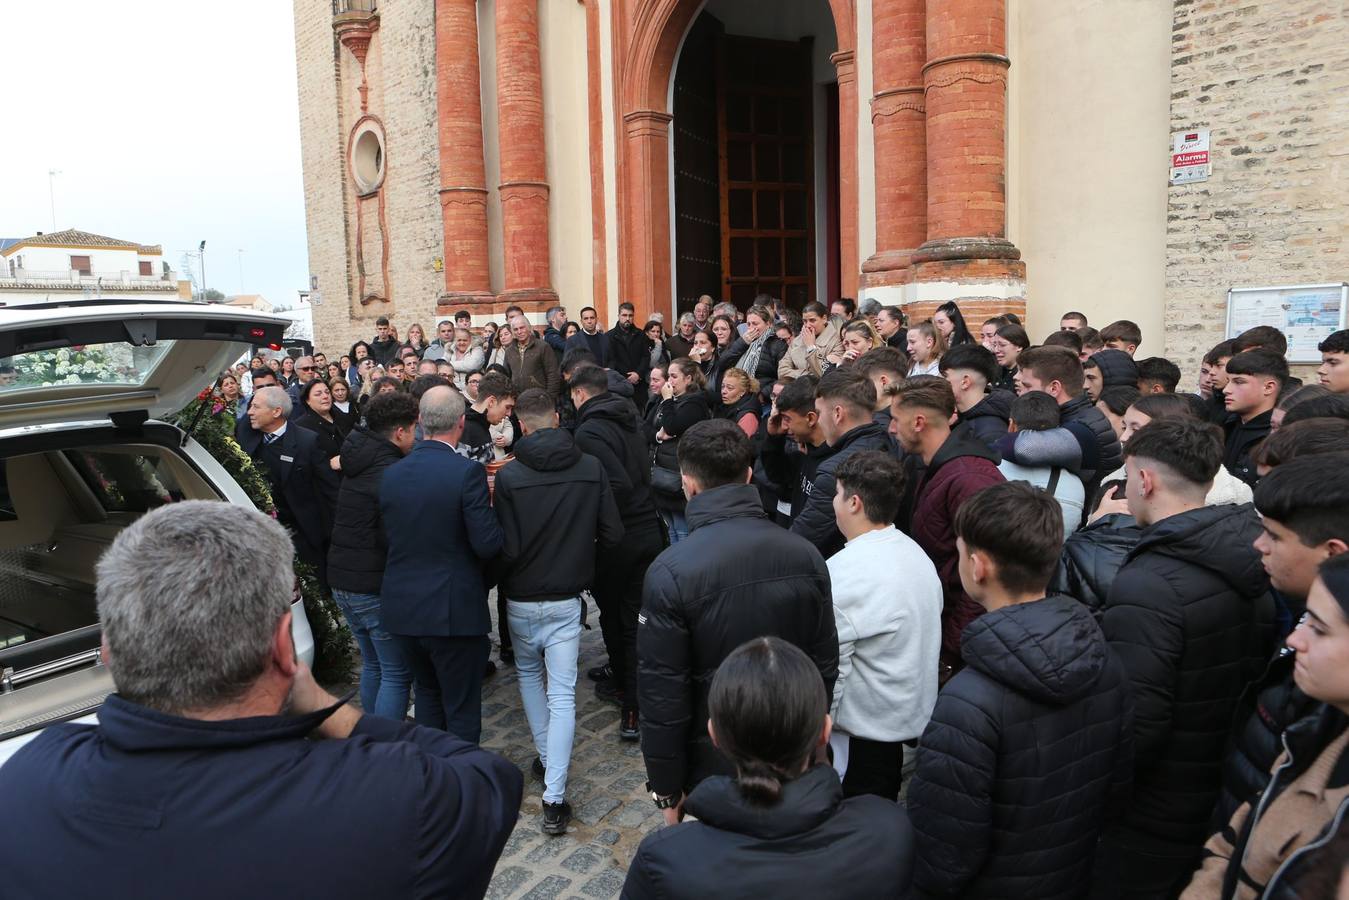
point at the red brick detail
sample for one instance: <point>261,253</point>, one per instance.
<point>463,177</point>
<point>599,255</point>
<point>850,263</point>
<point>965,80</point>
<point>898,47</point>
<point>974,309</point>
<point>524,166</point>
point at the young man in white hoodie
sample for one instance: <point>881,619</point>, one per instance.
<point>887,607</point>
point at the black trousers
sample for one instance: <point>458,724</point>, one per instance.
<point>448,674</point>
<point>1140,867</point>
<point>874,767</point>
<point>618,594</point>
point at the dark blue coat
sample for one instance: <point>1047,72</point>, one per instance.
<point>150,805</point>
<point>433,577</point>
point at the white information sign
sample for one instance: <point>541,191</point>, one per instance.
<point>1306,313</point>
<point>1190,160</point>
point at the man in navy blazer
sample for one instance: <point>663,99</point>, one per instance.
<point>247,436</point>
<point>303,482</point>
<point>434,597</point>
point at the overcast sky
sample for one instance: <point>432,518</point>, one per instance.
<point>170,123</point>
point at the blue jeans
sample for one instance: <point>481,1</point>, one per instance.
<point>547,636</point>
<point>385,676</point>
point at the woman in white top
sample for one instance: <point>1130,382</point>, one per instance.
<point>465,358</point>
<point>926,345</point>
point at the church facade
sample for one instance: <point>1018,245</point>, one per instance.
<point>1006,154</point>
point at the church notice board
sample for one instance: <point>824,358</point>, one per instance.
<point>1306,313</point>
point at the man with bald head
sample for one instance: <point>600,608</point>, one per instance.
<point>531,362</point>
<point>434,594</point>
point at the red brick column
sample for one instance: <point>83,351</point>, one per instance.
<point>898,50</point>
<point>965,81</point>
<point>463,176</point>
<point>524,167</point>
<point>646,274</point>
<point>849,254</point>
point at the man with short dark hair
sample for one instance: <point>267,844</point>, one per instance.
<point>1334,369</point>
<point>1058,373</point>
<point>1254,380</point>
<point>1028,756</point>
<point>443,345</point>
<point>434,595</point>
<point>845,400</point>
<point>531,362</point>
<point>972,370</point>
<point>1191,617</point>
<point>735,577</point>
<point>358,551</point>
<point>590,337</point>
<point>794,446</point>
<point>1038,451</point>
<point>384,347</point>
<point>556,317</point>
<point>958,466</point>
<point>1157,375</point>
<point>1262,337</point>
<point>886,367</point>
<point>1122,335</point>
<point>544,570</point>
<point>607,429</point>
<point>889,629</point>
<point>630,350</point>
<point>219,764</point>
<point>1072,321</point>
<point>496,401</point>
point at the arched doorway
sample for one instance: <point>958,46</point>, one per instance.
<point>755,153</point>
<point>652,39</point>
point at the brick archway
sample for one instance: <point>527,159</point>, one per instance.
<point>651,40</point>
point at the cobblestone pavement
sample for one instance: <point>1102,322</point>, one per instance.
<point>611,809</point>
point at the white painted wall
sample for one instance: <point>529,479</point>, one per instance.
<point>102,262</point>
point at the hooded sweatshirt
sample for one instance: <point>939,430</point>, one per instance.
<point>989,417</point>
<point>607,428</point>
<point>1117,367</point>
<point>1026,759</point>
<point>555,507</point>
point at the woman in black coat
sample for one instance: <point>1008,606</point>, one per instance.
<point>758,351</point>
<point>683,406</point>
<point>316,414</point>
<point>780,827</point>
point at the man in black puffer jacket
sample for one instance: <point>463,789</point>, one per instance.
<point>1028,754</point>
<point>607,428</point>
<point>1191,617</point>
<point>845,400</point>
<point>1058,372</point>
<point>357,552</point>
<point>736,576</point>
<point>1092,557</point>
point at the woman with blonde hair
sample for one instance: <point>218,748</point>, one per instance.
<point>740,400</point>
<point>926,346</point>
<point>858,337</point>
<point>417,339</point>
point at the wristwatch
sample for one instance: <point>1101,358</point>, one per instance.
<point>662,802</point>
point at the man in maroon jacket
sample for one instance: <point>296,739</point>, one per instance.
<point>958,466</point>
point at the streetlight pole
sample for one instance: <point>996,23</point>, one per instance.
<point>241,270</point>
<point>51,193</point>
<point>201,256</point>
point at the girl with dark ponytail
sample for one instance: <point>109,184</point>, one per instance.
<point>780,826</point>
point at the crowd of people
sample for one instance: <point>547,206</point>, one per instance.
<point>901,607</point>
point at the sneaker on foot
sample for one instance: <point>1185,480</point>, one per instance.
<point>609,692</point>
<point>538,768</point>
<point>555,817</point>
<point>628,726</point>
<point>601,673</point>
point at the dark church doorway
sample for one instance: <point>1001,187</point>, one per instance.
<point>745,169</point>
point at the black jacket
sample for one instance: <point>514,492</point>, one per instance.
<point>736,576</point>
<point>790,469</point>
<point>555,506</point>
<point>1027,756</point>
<point>1241,440</point>
<point>1191,617</point>
<point>1091,558</point>
<point>630,351</point>
<point>675,416</point>
<point>988,418</point>
<point>813,843</point>
<point>607,429</point>
<point>162,806</point>
<point>356,555</point>
<point>328,433</point>
<point>304,489</point>
<point>1111,453</point>
<point>815,521</point>
<point>766,372</point>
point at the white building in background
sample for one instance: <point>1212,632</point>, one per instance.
<point>250,301</point>
<point>73,264</point>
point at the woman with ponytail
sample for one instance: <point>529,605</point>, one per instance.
<point>780,826</point>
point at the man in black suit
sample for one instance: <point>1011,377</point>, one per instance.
<point>304,485</point>
<point>630,350</point>
<point>244,432</point>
